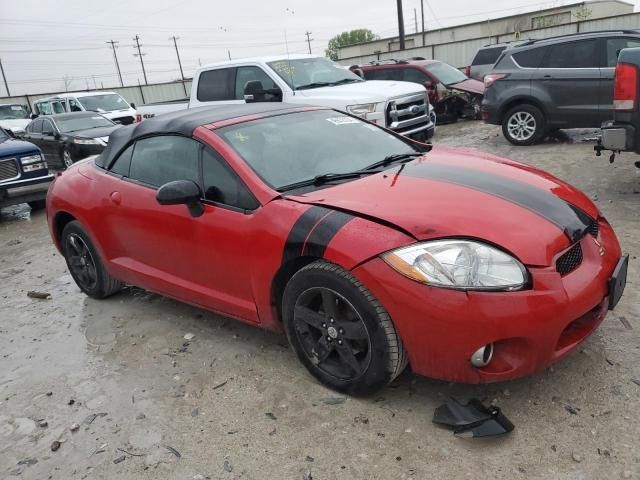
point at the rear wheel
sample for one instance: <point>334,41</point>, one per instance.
<point>523,125</point>
<point>339,331</point>
<point>84,263</point>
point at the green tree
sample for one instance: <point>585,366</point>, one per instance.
<point>345,39</point>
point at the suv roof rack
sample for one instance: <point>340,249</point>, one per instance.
<point>389,61</point>
<point>616,30</point>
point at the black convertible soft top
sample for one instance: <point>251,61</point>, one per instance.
<point>183,122</point>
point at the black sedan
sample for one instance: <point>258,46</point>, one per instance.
<point>66,138</point>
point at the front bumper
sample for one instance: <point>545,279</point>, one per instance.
<point>530,329</point>
<point>23,191</point>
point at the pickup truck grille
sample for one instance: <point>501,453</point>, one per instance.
<point>408,114</point>
<point>9,169</point>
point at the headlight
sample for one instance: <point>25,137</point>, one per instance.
<point>31,159</point>
<point>361,109</point>
<point>459,264</point>
<point>86,141</point>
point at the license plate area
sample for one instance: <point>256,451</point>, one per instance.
<point>618,281</point>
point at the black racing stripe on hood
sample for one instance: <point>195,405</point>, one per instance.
<point>324,232</point>
<point>569,218</point>
<point>300,231</point>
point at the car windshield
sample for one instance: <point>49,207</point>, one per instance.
<point>446,73</point>
<point>13,112</point>
<point>3,136</point>
<point>68,125</point>
<point>287,149</point>
<point>103,103</point>
<point>305,73</point>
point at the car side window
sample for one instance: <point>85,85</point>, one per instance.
<point>45,108</point>
<point>384,74</point>
<point>222,185</point>
<point>530,58</point>
<point>165,158</point>
<point>36,126</point>
<point>414,75</point>
<point>58,107</point>
<point>123,162</point>
<point>47,127</point>
<point>216,85</point>
<point>248,74</point>
<point>74,106</point>
<point>580,54</point>
<point>614,45</point>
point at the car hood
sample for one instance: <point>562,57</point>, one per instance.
<point>94,132</point>
<point>370,91</point>
<point>471,85</point>
<point>17,147</point>
<point>462,193</point>
<point>17,124</point>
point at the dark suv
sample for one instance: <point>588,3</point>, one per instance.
<point>561,82</point>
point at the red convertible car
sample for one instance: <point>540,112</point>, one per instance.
<point>370,250</point>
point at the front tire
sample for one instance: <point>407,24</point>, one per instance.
<point>523,125</point>
<point>339,330</point>
<point>84,263</point>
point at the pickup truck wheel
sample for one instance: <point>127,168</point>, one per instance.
<point>84,263</point>
<point>523,125</point>
<point>38,204</point>
<point>339,330</point>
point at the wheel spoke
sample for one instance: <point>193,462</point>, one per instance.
<point>354,330</point>
<point>75,261</point>
<point>348,358</point>
<point>329,304</point>
<point>310,317</point>
<point>321,350</point>
<point>74,245</point>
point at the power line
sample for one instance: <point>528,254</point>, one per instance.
<point>115,57</point>
<point>140,54</point>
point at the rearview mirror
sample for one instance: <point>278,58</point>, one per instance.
<point>182,192</point>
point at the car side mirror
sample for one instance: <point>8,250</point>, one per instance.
<point>428,84</point>
<point>33,116</point>
<point>56,135</point>
<point>254,92</point>
<point>132,105</point>
<point>182,192</point>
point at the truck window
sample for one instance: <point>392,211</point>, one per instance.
<point>216,85</point>
<point>44,108</point>
<point>248,74</point>
<point>58,107</point>
<point>580,54</point>
<point>614,45</point>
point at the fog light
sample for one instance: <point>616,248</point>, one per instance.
<point>482,356</point>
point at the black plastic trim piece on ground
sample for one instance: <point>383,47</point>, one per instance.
<point>472,419</point>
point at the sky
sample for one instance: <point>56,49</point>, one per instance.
<point>49,46</point>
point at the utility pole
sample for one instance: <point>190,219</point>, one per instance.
<point>400,24</point>
<point>415,20</point>
<point>6,85</point>
<point>140,54</point>
<point>309,41</point>
<point>115,57</point>
<point>422,13</point>
<point>175,44</point>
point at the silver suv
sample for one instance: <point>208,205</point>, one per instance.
<point>561,82</point>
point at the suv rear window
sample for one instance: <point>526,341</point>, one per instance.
<point>487,56</point>
<point>530,58</point>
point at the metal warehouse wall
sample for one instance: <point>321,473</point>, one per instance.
<point>137,94</point>
<point>459,54</point>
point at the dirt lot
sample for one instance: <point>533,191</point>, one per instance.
<point>233,402</point>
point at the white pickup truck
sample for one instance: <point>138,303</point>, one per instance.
<point>306,79</point>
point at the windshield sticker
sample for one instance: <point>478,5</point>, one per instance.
<point>342,120</point>
<point>284,68</point>
<point>241,137</point>
<point>16,107</point>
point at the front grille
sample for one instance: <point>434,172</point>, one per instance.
<point>594,229</point>
<point>408,113</point>
<point>8,169</point>
<point>570,260</point>
<point>124,120</point>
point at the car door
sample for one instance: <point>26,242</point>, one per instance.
<point>611,51</point>
<point>49,143</point>
<point>33,133</point>
<point>200,260</point>
<point>569,76</point>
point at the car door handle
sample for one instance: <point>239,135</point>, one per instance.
<point>116,198</point>
<point>547,77</point>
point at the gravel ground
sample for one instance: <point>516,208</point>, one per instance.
<point>116,383</point>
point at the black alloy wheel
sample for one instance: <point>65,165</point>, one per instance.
<point>332,333</point>
<point>81,263</point>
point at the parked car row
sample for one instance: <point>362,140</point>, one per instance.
<point>109,104</point>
